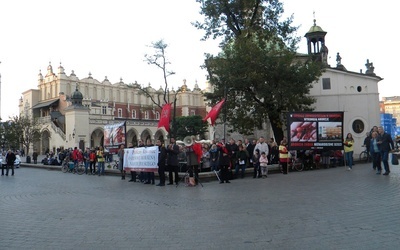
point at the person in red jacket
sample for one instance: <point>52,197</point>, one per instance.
<point>92,159</point>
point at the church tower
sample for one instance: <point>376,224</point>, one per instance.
<point>77,134</point>
<point>316,43</point>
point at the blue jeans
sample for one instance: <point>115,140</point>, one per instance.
<point>243,167</point>
<point>385,160</point>
<point>100,168</point>
<point>86,166</point>
<point>349,158</point>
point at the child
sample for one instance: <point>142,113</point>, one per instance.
<point>256,164</point>
<point>264,165</point>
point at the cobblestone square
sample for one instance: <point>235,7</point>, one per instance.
<point>321,209</point>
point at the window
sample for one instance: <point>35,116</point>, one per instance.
<point>146,115</point>
<point>119,113</point>
<point>326,83</point>
<point>133,114</point>
<point>358,126</point>
<point>157,115</point>
<point>192,112</point>
<point>104,110</point>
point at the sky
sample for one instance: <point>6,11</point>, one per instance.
<point>111,38</point>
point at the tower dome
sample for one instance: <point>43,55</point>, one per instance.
<point>77,98</point>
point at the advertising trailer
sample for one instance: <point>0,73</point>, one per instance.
<point>315,130</point>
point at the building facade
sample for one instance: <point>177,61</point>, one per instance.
<point>65,124</point>
<point>391,105</point>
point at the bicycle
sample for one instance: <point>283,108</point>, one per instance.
<point>113,164</point>
<point>364,155</point>
<point>78,169</point>
<point>295,163</point>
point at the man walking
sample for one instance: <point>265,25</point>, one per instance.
<point>385,145</point>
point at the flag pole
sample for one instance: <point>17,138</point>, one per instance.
<point>224,137</point>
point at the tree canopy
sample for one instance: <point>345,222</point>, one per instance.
<point>258,69</point>
<point>190,126</point>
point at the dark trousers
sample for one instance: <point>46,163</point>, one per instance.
<point>242,168</point>
<point>224,173</point>
<point>284,167</point>
<point>385,160</point>
<point>12,168</point>
<point>2,169</point>
<point>149,177</point>
<point>92,164</point>
<point>173,170</point>
<point>141,176</point>
<point>161,173</point>
<point>376,161</point>
<point>257,169</point>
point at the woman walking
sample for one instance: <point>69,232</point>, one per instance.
<point>375,153</point>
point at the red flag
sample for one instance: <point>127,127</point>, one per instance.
<point>198,151</point>
<point>165,116</point>
<point>214,112</point>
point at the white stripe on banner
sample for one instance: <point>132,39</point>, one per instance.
<point>141,159</point>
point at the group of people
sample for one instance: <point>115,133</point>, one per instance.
<point>8,160</point>
<point>378,145</point>
<point>229,160</point>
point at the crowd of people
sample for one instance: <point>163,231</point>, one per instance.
<point>229,160</point>
<point>378,145</point>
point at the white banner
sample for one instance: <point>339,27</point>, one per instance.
<point>141,159</point>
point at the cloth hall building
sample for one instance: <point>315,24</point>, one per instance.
<point>72,111</point>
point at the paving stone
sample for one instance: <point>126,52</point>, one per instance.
<point>320,209</point>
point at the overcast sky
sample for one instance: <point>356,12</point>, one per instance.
<point>110,38</point>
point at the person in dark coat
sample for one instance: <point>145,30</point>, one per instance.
<point>162,157</point>
<point>10,158</point>
<point>224,162</point>
<point>34,157</point>
<point>172,161</point>
<point>386,144</point>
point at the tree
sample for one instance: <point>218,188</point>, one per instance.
<point>189,126</point>
<point>28,130</point>
<point>258,69</point>
<point>9,136</point>
<point>161,97</point>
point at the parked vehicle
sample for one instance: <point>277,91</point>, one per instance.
<point>17,161</point>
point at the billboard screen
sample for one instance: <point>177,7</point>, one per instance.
<point>315,130</point>
<point>114,136</point>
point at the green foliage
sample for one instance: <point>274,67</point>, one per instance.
<point>9,138</point>
<point>24,130</point>
<point>258,69</point>
<point>190,125</point>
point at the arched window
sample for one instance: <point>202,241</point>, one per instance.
<point>119,113</point>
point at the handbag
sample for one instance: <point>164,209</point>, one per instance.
<point>395,161</point>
